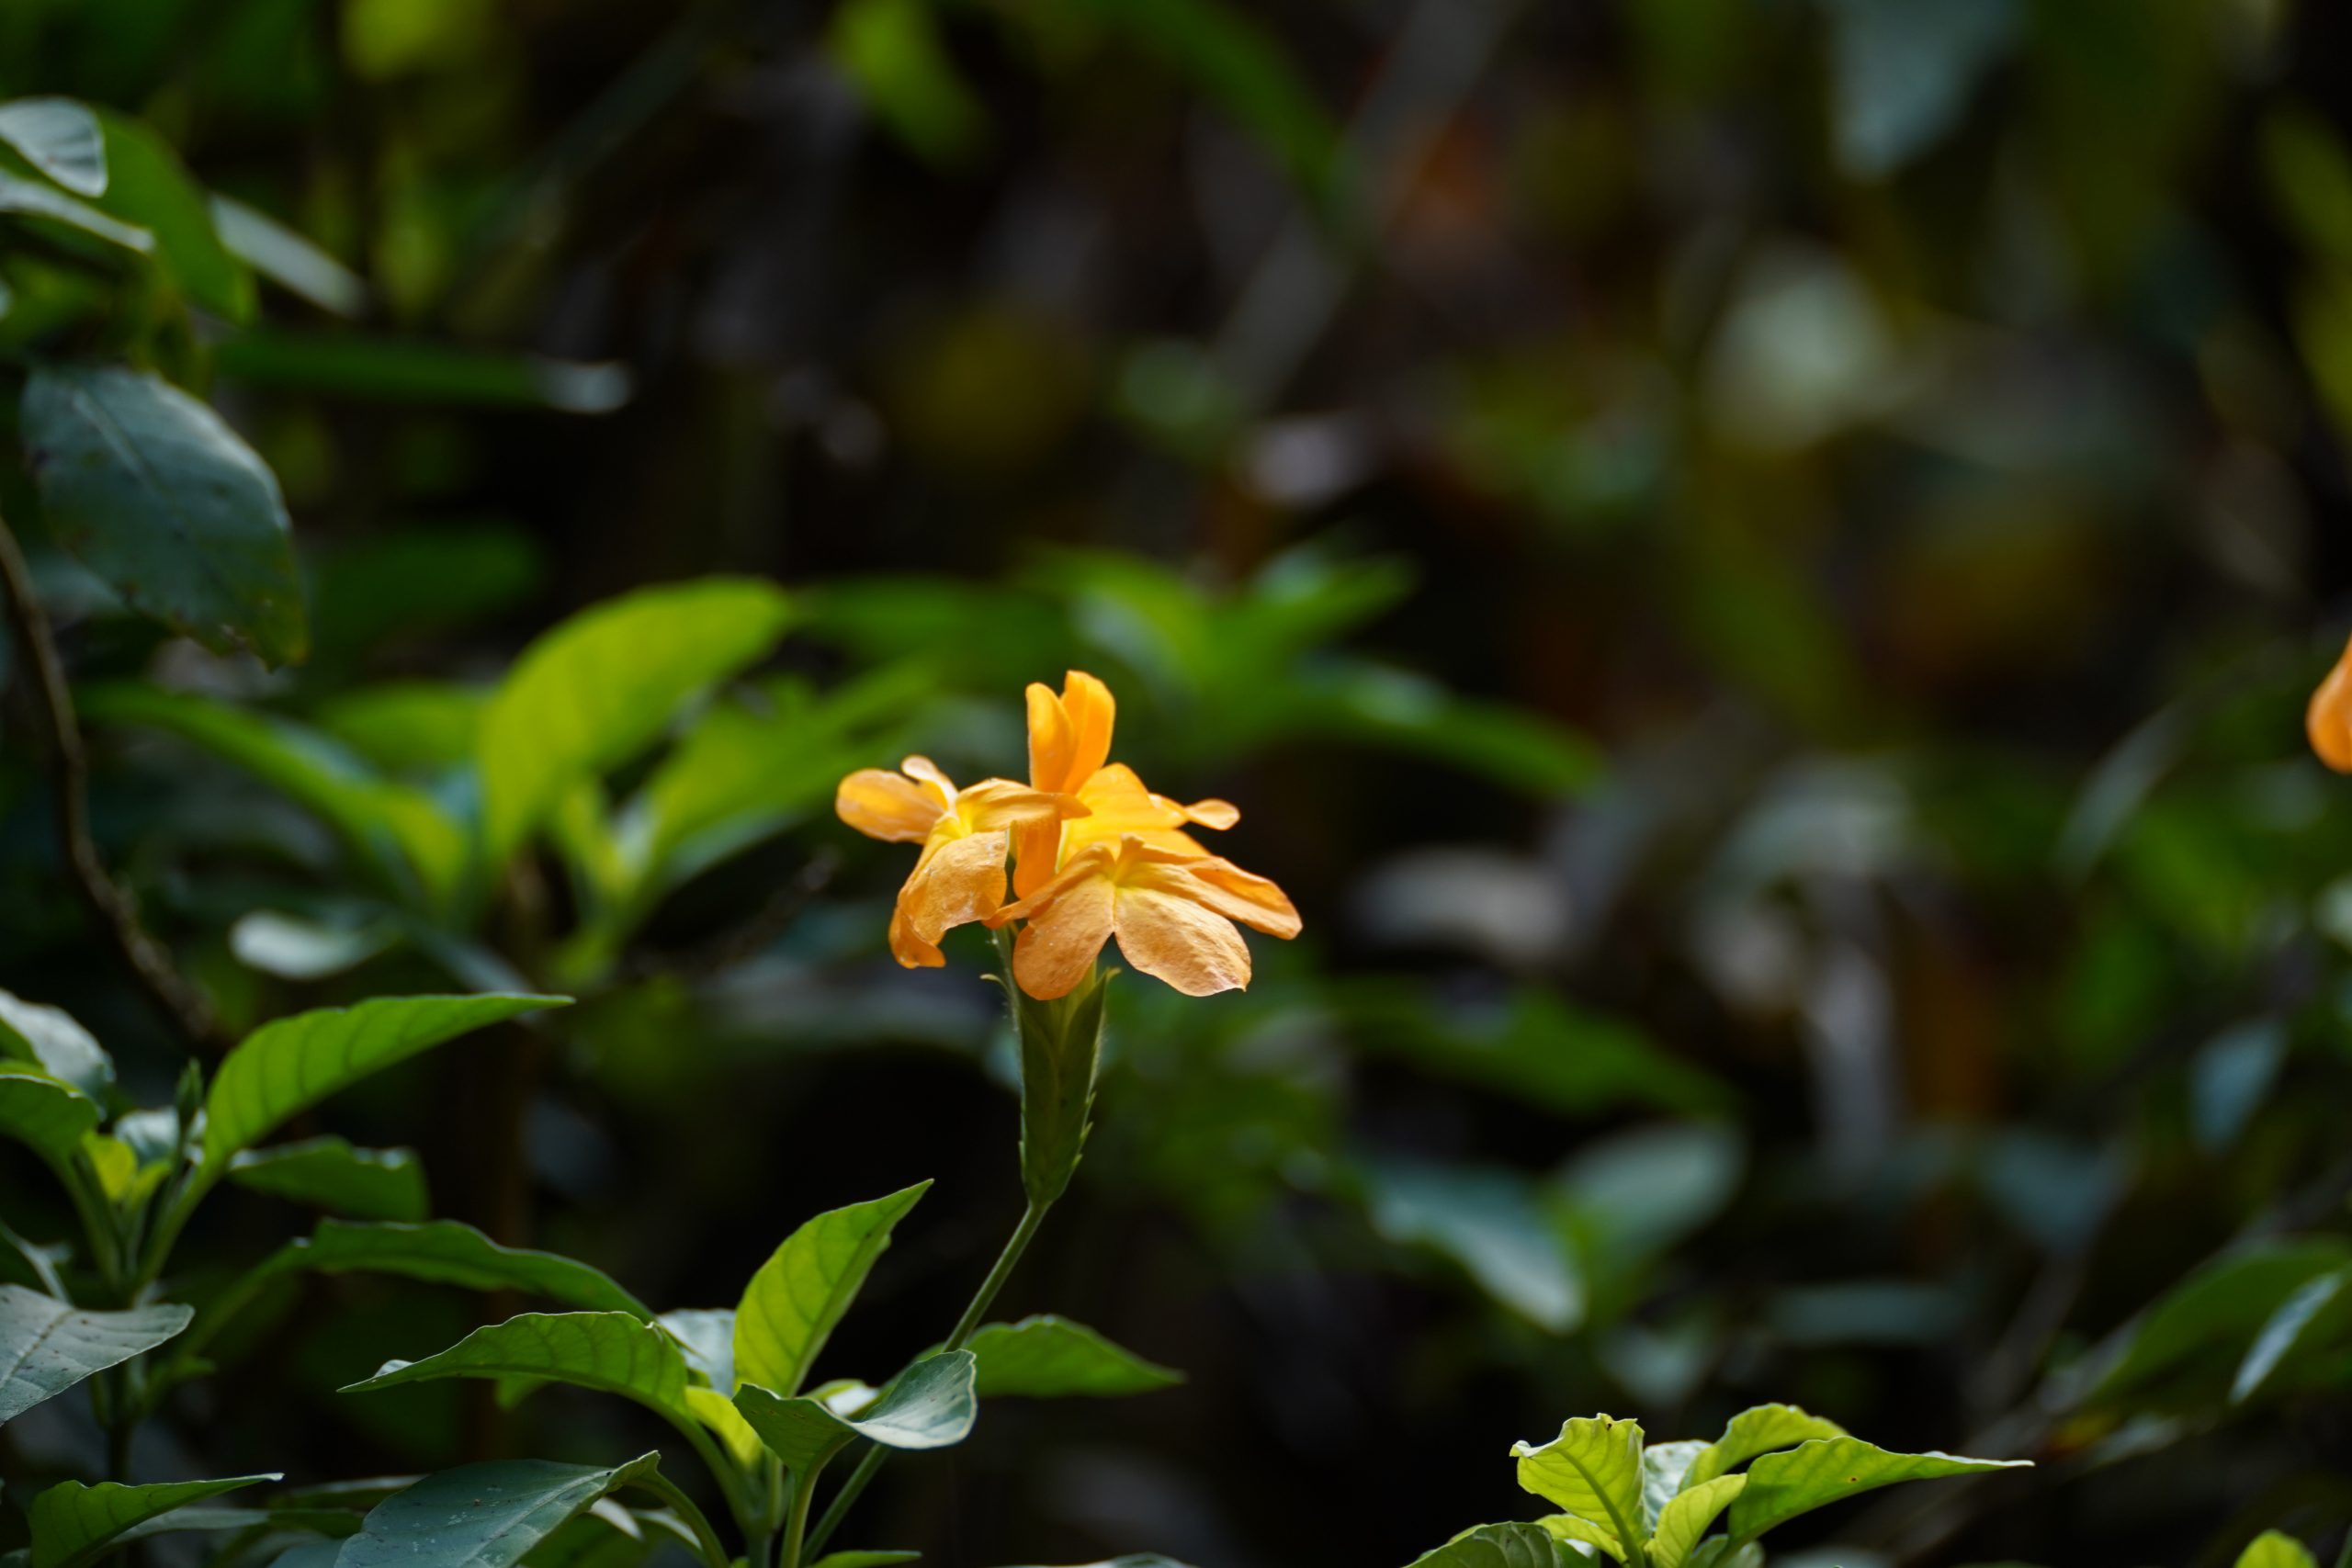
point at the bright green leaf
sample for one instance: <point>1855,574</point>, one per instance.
<point>1593,1470</point>
<point>612,1352</point>
<point>364,1184</point>
<point>1687,1516</point>
<point>1664,1467</point>
<point>1050,1357</point>
<point>1795,1481</point>
<point>929,1405</point>
<point>483,1515</point>
<point>48,1346</point>
<point>155,494</point>
<point>72,1523</point>
<point>1575,1531</point>
<point>2275,1549</point>
<point>800,1292</point>
<point>1756,1430</point>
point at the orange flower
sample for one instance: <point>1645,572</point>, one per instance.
<point>1172,911</point>
<point>1070,744</point>
<point>2328,719</point>
<point>965,834</point>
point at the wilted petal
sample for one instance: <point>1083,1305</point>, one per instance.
<point>1171,938</point>
<point>1058,944</point>
<point>1217,884</point>
<point>883,805</point>
<point>957,880</point>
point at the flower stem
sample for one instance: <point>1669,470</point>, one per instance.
<point>1022,1234</point>
<point>661,1486</point>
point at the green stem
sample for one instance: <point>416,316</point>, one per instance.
<point>747,1519</point>
<point>1022,1234</point>
<point>796,1523</point>
<point>661,1486</point>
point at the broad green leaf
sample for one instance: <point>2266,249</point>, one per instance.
<point>48,1346</point>
<point>148,185</point>
<point>800,1292</point>
<point>395,370</point>
<point>60,138</point>
<point>2204,1322</point>
<point>2315,1314</point>
<point>1687,1516</point>
<point>72,1523</point>
<point>1496,1546</point>
<point>1664,1467</point>
<point>929,1405</point>
<point>286,258</point>
<point>446,1252</point>
<point>362,1184</point>
<point>1593,1470</point>
<point>2275,1549</point>
<point>1795,1481</point>
<point>1717,1552</point>
<point>413,846</point>
<point>1576,1531</point>
<point>1050,1357</point>
<point>284,1068</point>
<point>333,1522</point>
<point>1485,1219</point>
<point>612,1352</point>
<point>1756,1430</point>
<point>1534,1047</point>
<point>49,1039</point>
<point>483,1515</point>
<point>718,1411</point>
<point>29,198</point>
<point>708,1335</point>
<point>50,1117</point>
<point>1136,1560</point>
<point>155,494</point>
<point>600,687</point>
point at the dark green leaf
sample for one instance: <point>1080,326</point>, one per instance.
<point>286,258</point>
<point>392,370</point>
<point>154,493</point>
<point>2204,1324</point>
<point>72,1523</point>
<point>283,1068</point>
<point>1496,1546</point>
<point>612,1352</point>
<point>1061,1047</point>
<point>1795,1481</point>
<point>47,1038</point>
<point>148,185</point>
<point>865,1559</point>
<point>1487,1221</point>
<point>2316,1313</point>
<point>50,1117</point>
<point>60,138</point>
<point>448,1253</point>
<point>800,1292</point>
<point>929,1405</point>
<point>1046,1357</point>
<point>482,1515</point>
<point>28,198</point>
<point>364,1184</point>
<point>48,1346</point>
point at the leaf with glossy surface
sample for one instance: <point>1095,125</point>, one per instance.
<point>286,258</point>
<point>1486,1221</point>
<point>448,1252</point>
<point>611,1352</point>
<point>29,198</point>
<point>2276,1548</point>
<point>2317,1312</point>
<point>930,1406</point>
<point>1687,1516</point>
<point>1496,1546</point>
<point>361,1184</point>
<point>800,1292</point>
<point>2201,1326</point>
<point>48,1346</point>
<point>58,137</point>
<point>1046,1357</point>
<point>1756,1430</point>
<point>483,1515</point>
<point>1795,1481</point>
<point>600,687</point>
<point>1593,1470</point>
<point>50,1038</point>
<point>72,1523</point>
<point>154,492</point>
<point>46,1116</point>
<point>1663,1468</point>
<point>284,1068</point>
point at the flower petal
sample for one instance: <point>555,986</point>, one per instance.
<point>1000,803</point>
<point>908,948</point>
<point>1215,883</point>
<point>1069,734</point>
<point>957,880</point>
<point>2328,719</point>
<point>1049,736</point>
<point>1058,944</point>
<point>1171,938</point>
<point>926,770</point>
<point>1211,813</point>
<point>1089,863</point>
<point>1035,847</point>
<point>887,805</point>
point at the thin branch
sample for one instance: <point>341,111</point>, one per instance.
<point>69,775</point>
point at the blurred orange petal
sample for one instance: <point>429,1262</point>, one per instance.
<point>887,805</point>
<point>2328,719</point>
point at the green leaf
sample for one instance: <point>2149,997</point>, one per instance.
<point>364,1184</point>
<point>2275,1549</point>
<point>483,1515</point>
<point>1487,1221</point>
<point>2202,1325</point>
<point>29,198</point>
<point>396,371</point>
<point>50,1117</point>
<point>600,687</point>
<point>611,1352</point>
<point>333,1522</point>
<point>1663,1468</point>
<point>865,1559</point>
<point>148,185</point>
<point>1569,1528</point>
<point>446,1252</point>
<point>1593,1469</point>
<point>49,1039</point>
<point>154,493</point>
<point>1051,1358</point>
<point>1795,1481</point>
<point>1687,1516</point>
<point>72,1523</point>
<point>284,1068</point>
<point>890,50</point>
<point>414,846</point>
<point>48,1346</point>
<point>58,137</point>
<point>1061,1046</point>
<point>800,1292</point>
<point>286,258</point>
<point>1496,1546</point>
<point>2316,1313</point>
<point>929,1405</point>
<point>1756,1430</point>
